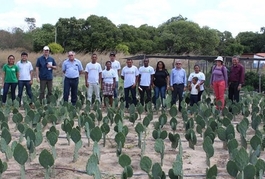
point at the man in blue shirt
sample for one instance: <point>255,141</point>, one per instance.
<point>178,83</point>
<point>72,68</point>
<point>44,68</point>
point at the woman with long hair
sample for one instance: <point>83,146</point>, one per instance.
<point>160,82</point>
<point>10,78</point>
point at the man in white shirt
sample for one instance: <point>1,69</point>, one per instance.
<point>116,66</point>
<point>130,75</point>
<point>146,74</point>
<point>25,77</point>
<point>93,76</point>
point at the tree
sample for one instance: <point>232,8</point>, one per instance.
<point>31,21</point>
<point>43,36</point>
<point>209,41</point>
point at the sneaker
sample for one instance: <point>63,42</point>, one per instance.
<point>32,106</point>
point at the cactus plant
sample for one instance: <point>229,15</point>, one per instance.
<point>92,167</point>
<point>3,168</point>
<point>211,172</point>
<point>21,156</point>
<point>160,148</point>
<point>140,110</point>
<point>96,135</point>
<point>105,129</point>
<point>125,162</point>
<point>174,139</point>
<point>67,128</point>
<point>208,149</point>
<point>76,137</point>
<point>177,169</point>
<point>120,140</point>
<point>47,161</point>
<point>139,128</point>
<point>153,171</point>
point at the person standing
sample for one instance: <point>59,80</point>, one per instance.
<point>146,74</point>
<point>130,75</point>
<point>108,83</point>
<point>219,81</point>
<point>93,76</point>
<point>194,88</point>
<point>236,79</point>
<point>116,66</point>
<point>201,78</point>
<point>44,72</point>
<point>160,82</point>
<point>10,78</point>
<point>25,78</point>
<point>72,68</point>
<point>178,83</point>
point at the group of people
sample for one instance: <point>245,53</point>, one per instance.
<point>107,80</point>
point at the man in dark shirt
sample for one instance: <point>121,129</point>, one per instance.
<point>236,79</point>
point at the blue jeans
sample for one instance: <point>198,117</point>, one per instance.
<point>70,84</point>
<point>133,95</point>
<point>5,91</point>
<point>160,91</point>
<point>21,84</point>
<point>194,99</point>
<point>116,90</point>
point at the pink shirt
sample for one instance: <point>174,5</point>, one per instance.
<point>219,74</point>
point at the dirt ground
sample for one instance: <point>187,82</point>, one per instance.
<point>194,161</point>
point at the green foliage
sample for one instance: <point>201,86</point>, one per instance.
<point>160,148</point>
<point>92,168</point>
<point>56,48</point>
<point>122,48</point>
<point>3,167</point>
<point>46,160</point>
<point>20,154</point>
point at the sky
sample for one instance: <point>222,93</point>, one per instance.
<point>224,15</point>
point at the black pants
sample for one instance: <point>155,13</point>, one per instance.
<point>194,99</point>
<point>200,95</point>
<point>178,92</point>
<point>70,84</point>
<point>147,90</point>
<point>233,92</point>
<point>133,95</point>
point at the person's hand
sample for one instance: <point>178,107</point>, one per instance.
<point>38,80</point>
<point>87,85</point>
<point>184,88</point>
<point>172,89</point>
<point>31,82</point>
<point>239,87</point>
<point>49,65</point>
<point>134,85</point>
<point>153,85</point>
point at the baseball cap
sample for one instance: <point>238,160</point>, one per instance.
<point>112,53</point>
<point>46,48</point>
<point>219,58</point>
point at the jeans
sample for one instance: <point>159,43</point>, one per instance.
<point>133,95</point>
<point>177,92</point>
<point>70,83</point>
<point>147,90</point>
<point>93,87</point>
<point>200,95</point>
<point>43,85</point>
<point>5,91</point>
<point>233,92</point>
<point>160,90</point>
<point>193,99</point>
<point>21,84</point>
<point>219,91</point>
<point>116,90</point>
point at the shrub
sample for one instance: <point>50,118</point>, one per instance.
<point>56,48</point>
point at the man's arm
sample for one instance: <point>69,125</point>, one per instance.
<point>86,77</point>
<point>100,77</point>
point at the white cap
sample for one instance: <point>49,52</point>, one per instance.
<point>219,58</point>
<point>46,48</point>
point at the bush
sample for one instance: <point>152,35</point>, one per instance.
<point>56,48</point>
<point>252,81</point>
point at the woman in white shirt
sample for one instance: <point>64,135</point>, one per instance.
<point>108,83</point>
<point>201,78</point>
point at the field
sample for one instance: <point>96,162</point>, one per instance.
<point>202,121</point>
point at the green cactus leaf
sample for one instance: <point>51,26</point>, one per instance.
<point>199,129</point>
<point>120,137</point>
<point>75,135</point>
<point>212,172</point>
<point>17,118</point>
<point>3,167</point>
<point>39,138</point>
<point>92,167</point>
<point>124,160</point>
<point>159,146</point>
<point>208,147</point>
<point>105,128</point>
<point>139,128</point>
<point>96,134</point>
<point>199,120</point>
<point>157,170</point>
<point>173,123</point>
<point>6,135</point>
<point>117,118</point>
<point>30,133</point>
<point>162,119</point>
<point>129,171</point>
<point>241,159</point>
<point>174,138</point>
<point>178,166</point>
<point>146,164</point>
<point>21,128</point>
<point>99,115</point>
<point>221,134</point>
<point>230,132</point>
<point>46,159</point>
<point>52,137</point>
<point>242,127</point>
<point>140,108</point>
<point>255,122</point>
<point>146,121</point>
<point>172,175</point>
<point>173,111</point>
<point>232,168</point>
<point>20,154</point>
<point>260,165</point>
<point>4,125</point>
<point>163,134</point>
<point>255,141</point>
<point>249,171</point>
<point>209,132</point>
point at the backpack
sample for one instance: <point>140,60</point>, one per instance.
<point>222,70</point>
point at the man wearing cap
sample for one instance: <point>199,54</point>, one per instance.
<point>72,68</point>
<point>116,66</point>
<point>236,79</point>
<point>219,81</point>
<point>25,77</point>
<point>93,77</point>
<point>44,72</point>
<point>178,83</point>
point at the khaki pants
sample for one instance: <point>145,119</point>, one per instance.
<point>43,85</point>
<point>93,87</point>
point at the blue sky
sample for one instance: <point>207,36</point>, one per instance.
<point>231,15</point>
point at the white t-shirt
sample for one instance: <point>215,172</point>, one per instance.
<point>200,76</point>
<point>194,89</point>
<point>116,66</point>
<point>24,70</point>
<point>146,73</point>
<point>129,75</point>
<point>108,75</point>
<point>93,70</point>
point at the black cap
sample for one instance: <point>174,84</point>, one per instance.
<point>24,53</point>
<point>112,53</point>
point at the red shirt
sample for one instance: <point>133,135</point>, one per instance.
<point>237,74</point>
